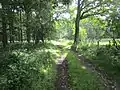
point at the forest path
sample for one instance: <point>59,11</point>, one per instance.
<point>108,82</point>
<point>62,74</point>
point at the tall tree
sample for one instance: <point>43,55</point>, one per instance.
<point>27,7</point>
<point>85,9</point>
<point>11,21</point>
<point>4,24</point>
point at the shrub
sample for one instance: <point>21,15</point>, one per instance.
<point>27,71</point>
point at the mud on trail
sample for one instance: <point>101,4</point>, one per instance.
<point>62,75</point>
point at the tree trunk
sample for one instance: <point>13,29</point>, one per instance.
<point>33,35</point>
<point>77,22</point>
<point>4,26</point>
<point>11,23</point>
<point>11,29</point>
<point>27,27</point>
<point>21,33</point>
<point>37,37</point>
<point>76,38</point>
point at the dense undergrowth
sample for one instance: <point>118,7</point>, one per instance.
<point>29,66</point>
<point>79,77</point>
<point>26,68</point>
<point>106,57</point>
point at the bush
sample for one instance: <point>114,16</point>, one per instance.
<point>27,71</point>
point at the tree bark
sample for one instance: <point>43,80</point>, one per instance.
<point>37,37</point>
<point>27,27</point>
<point>4,26</point>
<point>77,29</point>
<point>11,27</point>
<point>21,32</point>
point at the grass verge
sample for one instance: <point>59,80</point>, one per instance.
<point>105,57</point>
<point>81,78</point>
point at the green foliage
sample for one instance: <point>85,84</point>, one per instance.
<point>113,24</point>
<point>23,70</point>
<point>65,2</point>
<point>95,28</point>
<point>83,34</point>
<point>111,57</point>
<point>64,29</point>
<point>106,57</point>
<point>26,20</point>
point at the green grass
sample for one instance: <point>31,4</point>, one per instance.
<point>104,41</point>
<point>79,77</point>
<point>104,57</point>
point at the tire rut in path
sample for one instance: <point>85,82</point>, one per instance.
<point>62,75</point>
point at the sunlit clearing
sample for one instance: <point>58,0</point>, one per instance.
<point>53,51</point>
<point>79,55</point>
<point>0,5</point>
<point>55,42</point>
<point>61,42</point>
<point>45,71</point>
<point>68,47</point>
<point>83,67</point>
<point>61,59</point>
<point>65,54</point>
